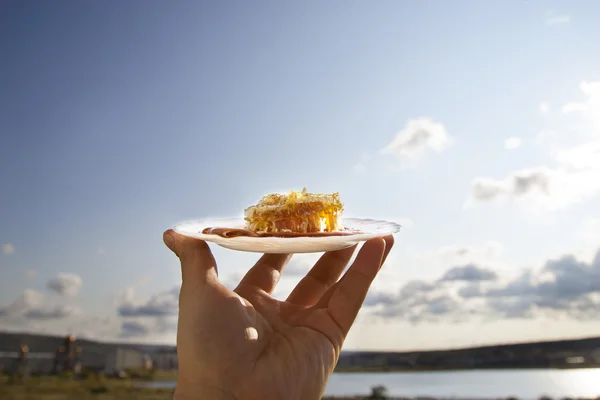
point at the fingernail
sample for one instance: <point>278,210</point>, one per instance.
<point>169,240</point>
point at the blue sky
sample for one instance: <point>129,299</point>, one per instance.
<point>119,119</point>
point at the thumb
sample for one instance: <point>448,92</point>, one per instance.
<point>198,265</point>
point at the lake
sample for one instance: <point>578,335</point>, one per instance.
<point>524,384</point>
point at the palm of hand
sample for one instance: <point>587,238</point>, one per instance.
<point>244,344</point>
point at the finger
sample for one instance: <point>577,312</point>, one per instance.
<point>324,300</point>
<point>325,273</point>
<point>350,293</point>
<point>198,266</point>
<point>265,274</point>
<point>389,243</point>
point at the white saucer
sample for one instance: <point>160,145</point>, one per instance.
<point>369,229</point>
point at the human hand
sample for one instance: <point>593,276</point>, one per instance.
<point>246,345</point>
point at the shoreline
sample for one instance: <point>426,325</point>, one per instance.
<point>101,388</point>
<point>454,369</point>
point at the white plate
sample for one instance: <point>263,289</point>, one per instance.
<point>369,229</point>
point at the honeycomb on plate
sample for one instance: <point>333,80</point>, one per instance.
<point>295,212</point>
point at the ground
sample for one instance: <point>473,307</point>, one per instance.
<point>54,388</point>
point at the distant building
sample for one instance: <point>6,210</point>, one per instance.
<point>165,359</point>
<point>123,358</point>
<point>595,356</point>
<point>24,362</point>
<point>109,360</point>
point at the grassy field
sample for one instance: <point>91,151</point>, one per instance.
<point>99,388</point>
<point>54,388</point>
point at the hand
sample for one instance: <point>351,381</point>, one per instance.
<point>246,345</point>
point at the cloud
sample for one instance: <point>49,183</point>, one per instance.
<point>419,137</point>
<point>486,189</point>
<point>300,264</point>
<point>65,284</point>
<point>233,279</point>
<point>144,317</point>
<point>31,274</point>
<point>564,287</point>
<point>135,328</point>
<point>518,184</point>
<point>415,302</point>
<point>544,108</point>
<point>573,171</point>
<point>512,143</point>
<point>58,312</point>
<point>28,300</point>
<point>469,273</point>
<point>471,290</point>
<point>376,298</point>
<point>575,179</point>
<point>590,231</point>
<point>8,249</point>
<point>32,305</point>
<point>590,107</point>
<point>162,304</point>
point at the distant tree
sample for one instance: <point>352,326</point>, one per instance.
<point>378,392</point>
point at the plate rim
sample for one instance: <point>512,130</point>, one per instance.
<point>396,227</point>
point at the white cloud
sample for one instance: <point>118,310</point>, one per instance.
<point>564,287</point>
<point>28,300</point>
<point>590,108</point>
<point>136,328</point>
<point>65,284</point>
<point>512,143</point>
<point>8,249</point>
<point>544,108</point>
<point>300,264</point>
<point>156,314</point>
<point>31,305</point>
<point>486,254</point>
<point>231,280</point>
<point>586,156</point>
<point>575,178</point>
<point>31,274</point>
<point>58,312</point>
<point>165,303</point>
<point>419,137</point>
<point>590,232</point>
<point>517,184</point>
<point>547,138</point>
<point>469,273</point>
<point>573,173</point>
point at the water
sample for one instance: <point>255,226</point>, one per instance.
<point>524,384</point>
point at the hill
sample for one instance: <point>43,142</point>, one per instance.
<point>39,343</point>
<point>547,354</point>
